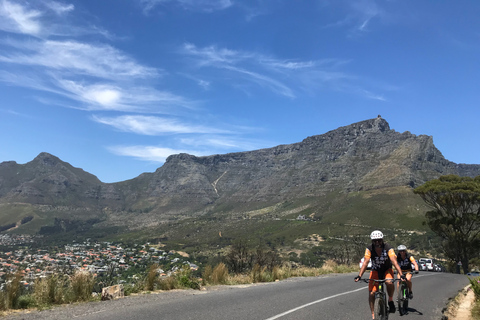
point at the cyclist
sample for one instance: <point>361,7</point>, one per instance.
<point>383,256</point>
<point>405,261</point>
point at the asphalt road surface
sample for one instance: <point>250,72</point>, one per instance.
<point>326,297</point>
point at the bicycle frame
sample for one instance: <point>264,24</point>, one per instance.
<point>381,310</point>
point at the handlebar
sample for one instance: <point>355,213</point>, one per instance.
<point>379,280</point>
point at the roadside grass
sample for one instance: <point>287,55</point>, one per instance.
<point>220,275</point>
<point>475,286</point>
<point>55,289</point>
<point>58,289</point>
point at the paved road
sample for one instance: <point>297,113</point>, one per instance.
<point>326,297</point>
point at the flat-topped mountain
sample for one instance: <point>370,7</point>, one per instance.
<point>317,177</point>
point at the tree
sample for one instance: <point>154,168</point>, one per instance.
<point>455,216</point>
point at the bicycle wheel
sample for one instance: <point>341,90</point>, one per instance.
<point>403,299</point>
<point>400,300</point>
<point>380,309</point>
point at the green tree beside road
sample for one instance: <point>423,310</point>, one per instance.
<point>455,215</point>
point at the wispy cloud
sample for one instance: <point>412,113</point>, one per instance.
<point>99,60</point>
<point>151,125</point>
<point>223,142</point>
<point>193,5</point>
<point>358,16</point>
<point>94,76</point>
<point>19,19</point>
<point>148,153</point>
<point>288,78</point>
<point>58,7</point>
<point>365,10</point>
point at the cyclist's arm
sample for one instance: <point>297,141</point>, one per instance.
<point>365,262</point>
<point>393,258</point>
<point>412,260</point>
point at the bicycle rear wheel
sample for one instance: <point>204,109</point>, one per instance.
<point>380,309</point>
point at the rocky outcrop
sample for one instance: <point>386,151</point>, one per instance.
<point>362,156</point>
<point>113,292</point>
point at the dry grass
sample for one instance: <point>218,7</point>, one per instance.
<point>82,286</point>
<point>263,274</point>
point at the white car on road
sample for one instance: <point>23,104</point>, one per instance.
<point>369,266</point>
<point>429,263</point>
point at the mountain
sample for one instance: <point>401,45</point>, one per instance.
<point>345,175</point>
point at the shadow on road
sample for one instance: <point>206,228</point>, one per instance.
<point>412,310</point>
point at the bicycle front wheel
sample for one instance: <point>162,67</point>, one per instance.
<point>403,299</point>
<point>380,309</point>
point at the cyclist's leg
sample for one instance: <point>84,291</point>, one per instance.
<point>409,281</point>
<point>409,285</point>
<point>390,289</point>
<point>390,286</point>
<point>372,288</point>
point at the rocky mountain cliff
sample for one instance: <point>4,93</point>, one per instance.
<point>363,156</point>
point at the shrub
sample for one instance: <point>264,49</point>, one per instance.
<point>132,288</point>
<point>82,286</point>
<point>260,274</point>
<point>475,284</point>
<point>167,283</point>
<point>207,275</point>
<point>151,278</point>
<point>51,290</point>
<point>13,289</point>
<point>185,278</point>
<point>219,274</point>
<point>26,301</point>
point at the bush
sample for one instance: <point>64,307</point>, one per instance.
<point>26,301</point>
<point>51,290</point>
<point>168,283</point>
<point>151,278</point>
<point>13,289</point>
<point>82,286</point>
<point>475,284</point>
<point>185,278</point>
<point>219,275</point>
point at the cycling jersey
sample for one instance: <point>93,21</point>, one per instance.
<point>382,262</point>
<point>405,264</point>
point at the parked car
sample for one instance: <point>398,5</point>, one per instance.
<point>369,266</point>
<point>421,266</point>
<point>428,263</point>
<point>474,274</point>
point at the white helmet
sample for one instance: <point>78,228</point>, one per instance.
<point>402,247</point>
<point>377,234</point>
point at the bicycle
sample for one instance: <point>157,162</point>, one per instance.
<point>380,306</point>
<point>402,298</point>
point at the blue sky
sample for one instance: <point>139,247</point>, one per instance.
<point>116,86</point>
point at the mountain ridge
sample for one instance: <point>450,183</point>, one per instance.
<point>281,180</point>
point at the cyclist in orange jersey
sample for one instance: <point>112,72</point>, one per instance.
<point>383,257</point>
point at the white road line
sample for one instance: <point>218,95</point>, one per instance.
<point>327,298</point>
<point>314,302</point>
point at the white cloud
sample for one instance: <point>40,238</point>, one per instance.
<point>101,61</point>
<point>283,77</point>
<point>16,18</point>
<point>123,97</point>
<point>58,7</point>
<point>151,125</point>
<point>193,5</point>
<point>217,142</point>
<point>147,153</point>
